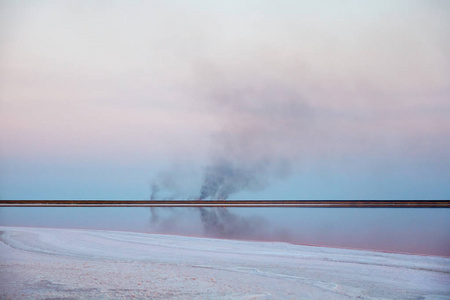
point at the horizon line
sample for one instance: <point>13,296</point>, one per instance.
<point>231,203</point>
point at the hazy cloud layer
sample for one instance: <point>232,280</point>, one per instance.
<point>288,78</point>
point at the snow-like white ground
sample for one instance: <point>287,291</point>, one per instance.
<point>39,263</point>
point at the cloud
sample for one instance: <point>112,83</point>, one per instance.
<point>290,78</point>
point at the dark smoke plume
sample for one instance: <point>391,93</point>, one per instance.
<point>254,147</point>
<point>221,179</point>
<point>224,178</point>
<point>257,143</point>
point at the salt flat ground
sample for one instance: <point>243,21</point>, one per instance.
<point>42,263</point>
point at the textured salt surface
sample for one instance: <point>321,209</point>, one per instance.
<point>40,263</point>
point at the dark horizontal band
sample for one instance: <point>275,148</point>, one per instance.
<point>227,203</point>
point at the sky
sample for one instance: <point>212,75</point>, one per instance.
<point>228,99</point>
